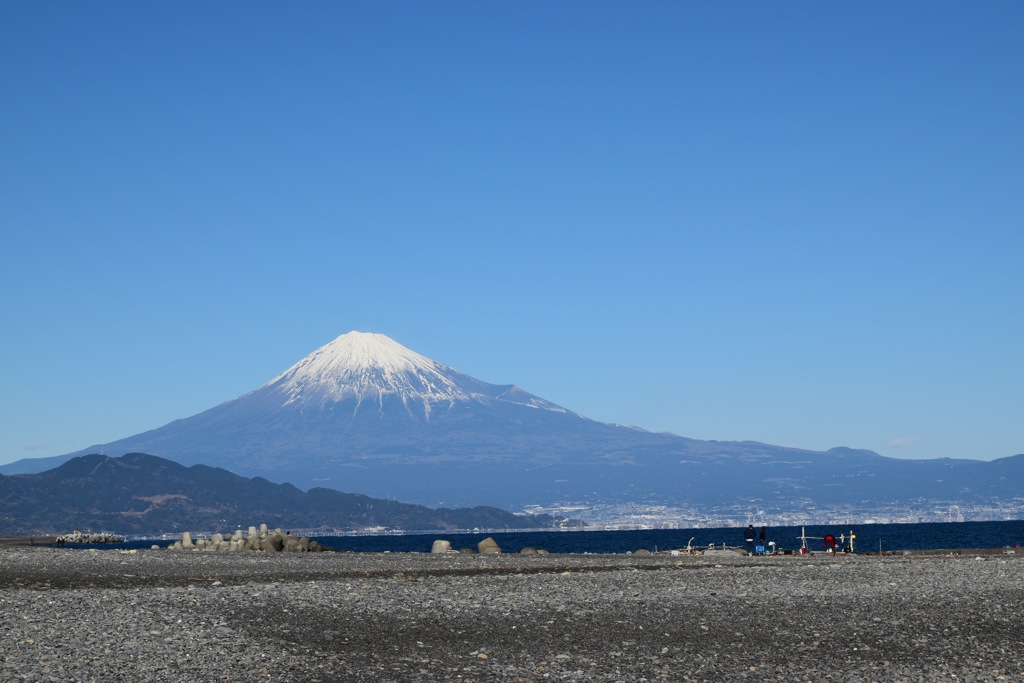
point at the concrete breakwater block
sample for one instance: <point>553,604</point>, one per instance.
<point>261,540</point>
<point>488,546</point>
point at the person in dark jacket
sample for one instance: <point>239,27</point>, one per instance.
<point>748,536</point>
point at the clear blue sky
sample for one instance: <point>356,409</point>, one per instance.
<point>797,223</point>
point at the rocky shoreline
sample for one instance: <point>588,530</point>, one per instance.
<point>153,615</point>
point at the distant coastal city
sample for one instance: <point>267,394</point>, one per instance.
<point>624,516</point>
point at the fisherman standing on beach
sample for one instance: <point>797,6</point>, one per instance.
<point>748,536</point>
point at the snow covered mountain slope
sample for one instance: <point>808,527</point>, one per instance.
<point>372,369</point>
<point>364,414</point>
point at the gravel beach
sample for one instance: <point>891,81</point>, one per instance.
<point>153,615</point>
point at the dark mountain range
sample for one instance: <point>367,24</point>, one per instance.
<point>143,494</point>
<point>364,413</point>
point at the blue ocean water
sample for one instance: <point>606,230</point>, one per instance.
<point>869,538</point>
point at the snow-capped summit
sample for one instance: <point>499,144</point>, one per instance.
<point>373,368</point>
<point>365,366</point>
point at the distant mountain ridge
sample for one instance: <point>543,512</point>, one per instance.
<point>144,494</point>
<point>363,413</point>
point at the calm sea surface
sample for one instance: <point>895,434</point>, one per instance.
<point>869,537</point>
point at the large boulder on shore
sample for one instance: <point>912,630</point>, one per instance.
<point>488,546</point>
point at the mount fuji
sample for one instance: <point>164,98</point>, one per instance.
<point>365,414</point>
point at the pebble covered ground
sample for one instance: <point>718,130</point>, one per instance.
<point>106,615</point>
